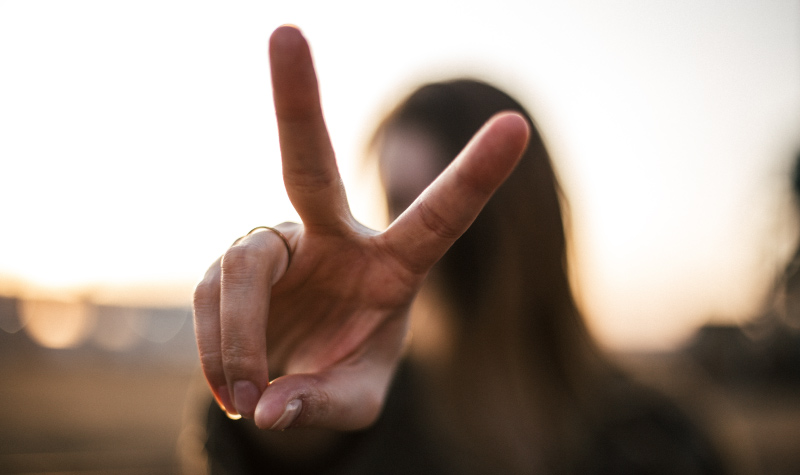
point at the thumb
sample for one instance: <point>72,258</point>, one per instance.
<point>341,398</point>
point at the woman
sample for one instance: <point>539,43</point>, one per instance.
<point>502,376</point>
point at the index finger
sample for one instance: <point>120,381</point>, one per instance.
<point>440,215</point>
<point>309,166</point>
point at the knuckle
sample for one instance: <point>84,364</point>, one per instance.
<point>316,403</point>
<point>321,408</point>
<point>240,261</point>
<point>240,359</point>
<point>211,361</point>
<point>437,223</point>
<point>204,294</point>
<point>205,308</point>
<point>415,270</point>
<point>311,180</point>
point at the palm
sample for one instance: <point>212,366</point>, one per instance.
<point>332,325</point>
<point>334,302</point>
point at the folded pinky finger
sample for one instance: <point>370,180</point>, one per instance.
<point>207,334</point>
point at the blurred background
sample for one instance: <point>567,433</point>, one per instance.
<point>137,140</point>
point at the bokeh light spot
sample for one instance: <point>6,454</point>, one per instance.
<point>57,324</point>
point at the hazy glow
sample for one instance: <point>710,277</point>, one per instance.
<point>159,326</point>
<point>137,138</point>
<point>113,330</point>
<point>57,324</point>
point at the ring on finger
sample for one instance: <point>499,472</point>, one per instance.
<point>282,237</point>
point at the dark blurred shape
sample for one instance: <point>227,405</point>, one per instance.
<point>788,289</point>
<point>732,355</point>
<point>767,349</point>
<point>757,367</point>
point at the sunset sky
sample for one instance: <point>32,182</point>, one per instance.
<point>137,138</point>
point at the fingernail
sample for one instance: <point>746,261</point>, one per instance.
<point>245,397</point>
<point>224,399</point>
<point>289,415</point>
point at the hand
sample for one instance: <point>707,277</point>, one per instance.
<point>331,326</point>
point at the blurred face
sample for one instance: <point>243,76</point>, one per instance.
<point>410,159</point>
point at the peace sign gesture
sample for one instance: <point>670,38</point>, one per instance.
<point>330,326</point>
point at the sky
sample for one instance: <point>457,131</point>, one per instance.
<point>137,138</point>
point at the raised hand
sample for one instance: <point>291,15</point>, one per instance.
<point>330,326</point>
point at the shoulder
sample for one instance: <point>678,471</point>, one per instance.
<point>644,432</point>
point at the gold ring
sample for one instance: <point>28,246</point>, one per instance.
<point>283,238</point>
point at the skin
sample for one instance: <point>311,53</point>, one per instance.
<point>330,328</point>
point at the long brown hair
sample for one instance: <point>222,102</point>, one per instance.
<point>511,395</point>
